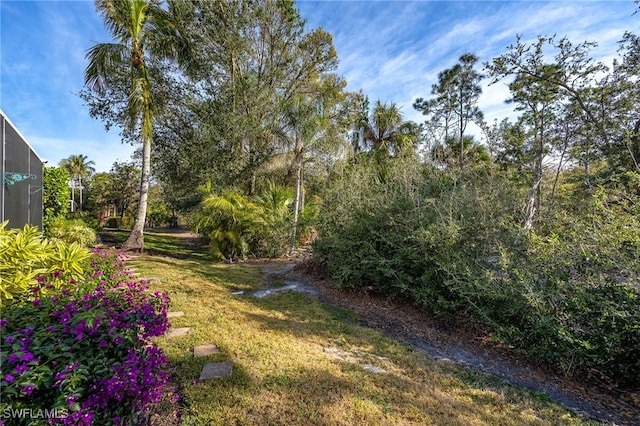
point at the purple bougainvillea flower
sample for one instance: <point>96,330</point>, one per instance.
<point>28,356</point>
<point>9,339</point>
<point>102,344</point>
<point>9,378</point>
<point>28,389</point>
<point>22,368</point>
<point>71,367</point>
<point>13,358</point>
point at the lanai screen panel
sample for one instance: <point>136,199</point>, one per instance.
<point>35,190</point>
<point>22,183</point>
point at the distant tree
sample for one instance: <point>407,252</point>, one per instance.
<point>539,104</point>
<point>309,124</point>
<point>78,167</point>
<point>454,104</point>
<point>224,122</point>
<point>122,187</point>
<point>567,70</point>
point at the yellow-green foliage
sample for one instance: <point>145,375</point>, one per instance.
<point>25,255</point>
<point>72,231</point>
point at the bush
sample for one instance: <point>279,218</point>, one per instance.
<point>159,217</point>
<point>113,222</point>
<point>25,255</point>
<point>564,295</point>
<point>73,231</point>
<point>55,194</point>
<point>237,226</point>
<point>85,350</point>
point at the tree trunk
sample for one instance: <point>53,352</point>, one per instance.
<point>533,200</point>
<point>80,183</point>
<point>531,209</point>
<point>73,201</point>
<point>135,241</point>
<point>555,182</point>
<point>298,184</point>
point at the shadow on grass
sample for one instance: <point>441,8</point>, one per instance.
<point>232,277</point>
<point>161,242</point>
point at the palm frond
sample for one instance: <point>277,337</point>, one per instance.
<point>104,60</point>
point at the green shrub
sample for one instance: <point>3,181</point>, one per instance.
<point>237,226</point>
<point>73,231</point>
<point>55,194</point>
<point>566,295</point>
<point>113,222</point>
<point>159,217</point>
<point>26,255</point>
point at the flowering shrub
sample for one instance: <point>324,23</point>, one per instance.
<point>84,350</point>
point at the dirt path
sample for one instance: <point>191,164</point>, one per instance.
<point>462,342</point>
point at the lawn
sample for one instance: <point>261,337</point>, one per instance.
<point>297,361</point>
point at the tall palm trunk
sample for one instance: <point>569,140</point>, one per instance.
<point>80,187</point>
<point>73,201</point>
<point>135,241</point>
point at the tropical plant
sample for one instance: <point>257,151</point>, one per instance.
<point>237,225</point>
<point>386,131</point>
<point>73,231</point>
<point>141,29</point>
<point>229,221</point>
<point>26,255</point>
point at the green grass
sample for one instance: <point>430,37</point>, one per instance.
<point>157,242</point>
<point>297,361</point>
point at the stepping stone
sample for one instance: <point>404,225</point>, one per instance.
<point>152,280</point>
<point>205,350</point>
<point>216,370</point>
<point>175,314</point>
<point>178,332</point>
<point>373,369</point>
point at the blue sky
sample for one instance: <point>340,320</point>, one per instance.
<point>393,50</point>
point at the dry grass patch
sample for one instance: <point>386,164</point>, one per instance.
<point>297,361</point>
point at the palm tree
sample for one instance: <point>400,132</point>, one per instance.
<point>140,28</point>
<point>78,167</point>
<point>386,131</point>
